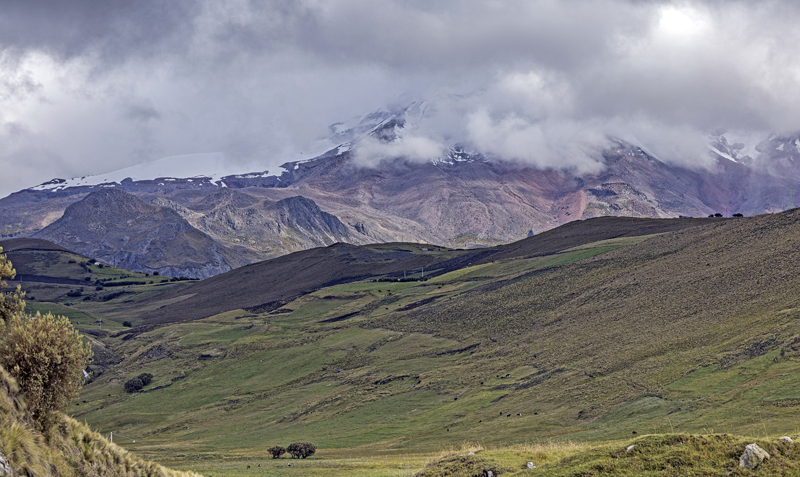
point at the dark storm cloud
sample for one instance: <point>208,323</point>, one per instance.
<point>113,29</point>
<point>99,85</point>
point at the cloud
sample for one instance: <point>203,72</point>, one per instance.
<point>370,152</point>
<point>546,144</point>
<point>104,85</point>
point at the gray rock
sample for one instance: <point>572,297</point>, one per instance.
<point>5,467</point>
<point>630,448</point>
<point>786,439</point>
<point>753,455</point>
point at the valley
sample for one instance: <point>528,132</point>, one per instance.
<point>594,332</point>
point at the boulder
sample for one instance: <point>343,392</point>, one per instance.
<point>753,455</point>
<point>786,439</point>
<point>629,448</point>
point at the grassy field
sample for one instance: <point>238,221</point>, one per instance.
<point>483,354</point>
<point>590,346</point>
<point>316,367</point>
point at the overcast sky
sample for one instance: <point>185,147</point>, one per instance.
<point>90,86</point>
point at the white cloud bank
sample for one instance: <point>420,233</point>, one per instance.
<point>88,87</point>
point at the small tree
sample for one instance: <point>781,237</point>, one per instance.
<point>133,385</point>
<point>301,450</point>
<point>45,354</point>
<point>276,451</point>
<point>12,304</point>
<point>137,383</point>
<point>145,378</point>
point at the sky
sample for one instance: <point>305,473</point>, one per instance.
<point>93,86</point>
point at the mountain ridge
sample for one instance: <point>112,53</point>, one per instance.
<point>461,199</point>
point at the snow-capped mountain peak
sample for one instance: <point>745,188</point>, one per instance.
<point>210,167</point>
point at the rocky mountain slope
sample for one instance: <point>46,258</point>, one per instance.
<point>120,229</point>
<point>462,199</point>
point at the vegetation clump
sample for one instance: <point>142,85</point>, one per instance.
<point>301,450</point>
<point>276,451</point>
<point>137,383</point>
<point>44,353</point>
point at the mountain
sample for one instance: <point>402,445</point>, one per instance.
<point>269,227</point>
<point>120,229</point>
<point>462,198</point>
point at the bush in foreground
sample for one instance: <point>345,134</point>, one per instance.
<point>44,353</point>
<point>46,356</point>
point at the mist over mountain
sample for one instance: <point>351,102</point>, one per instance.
<point>389,181</point>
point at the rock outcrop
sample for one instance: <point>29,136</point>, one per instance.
<point>753,456</point>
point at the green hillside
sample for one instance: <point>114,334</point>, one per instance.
<point>62,282</point>
<point>595,338</point>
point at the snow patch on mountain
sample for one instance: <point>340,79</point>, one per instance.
<point>211,167</point>
<point>737,146</point>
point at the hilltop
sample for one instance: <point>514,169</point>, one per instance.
<point>268,285</point>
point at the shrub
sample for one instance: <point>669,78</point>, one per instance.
<point>146,378</point>
<point>133,385</point>
<point>276,451</point>
<point>127,324</point>
<point>12,304</point>
<point>155,274</point>
<point>301,450</point>
<point>137,383</point>
<point>46,356</point>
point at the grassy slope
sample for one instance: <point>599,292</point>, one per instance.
<point>72,448</point>
<point>685,329</point>
<point>307,371</point>
<point>652,455</point>
<point>49,273</point>
<point>691,331</point>
<point>267,284</point>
